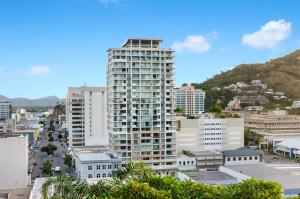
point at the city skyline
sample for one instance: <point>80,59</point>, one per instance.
<point>47,46</point>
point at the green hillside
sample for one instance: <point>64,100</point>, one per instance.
<point>281,75</point>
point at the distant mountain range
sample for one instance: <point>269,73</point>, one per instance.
<point>24,102</point>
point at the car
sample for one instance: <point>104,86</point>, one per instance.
<point>275,158</point>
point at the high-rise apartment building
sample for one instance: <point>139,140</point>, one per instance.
<point>190,100</point>
<point>86,116</point>
<point>140,81</point>
<point>5,110</point>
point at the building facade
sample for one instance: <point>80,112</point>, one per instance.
<point>5,110</point>
<point>140,82</point>
<point>241,156</point>
<point>86,116</point>
<point>209,133</point>
<point>190,100</point>
<point>96,165</point>
<point>14,162</point>
<point>274,124</point>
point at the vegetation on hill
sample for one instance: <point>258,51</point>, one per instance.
<point>281,74</point>
<point>136,180</point>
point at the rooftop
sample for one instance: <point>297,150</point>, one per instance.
<point>243,151</point>
<point>211,177</point>
<point>85,156</point>
<point>288,175</point>
<point>135,41</point>
<point>290,143</point>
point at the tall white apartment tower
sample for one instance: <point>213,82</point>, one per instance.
<point>86,116</point>
<point>190,100</point>
<point>140,82</point>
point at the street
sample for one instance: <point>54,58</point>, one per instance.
<point>38,158</point>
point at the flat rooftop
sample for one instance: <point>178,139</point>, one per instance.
<point>211,177</point>
<point>85,156</point>
<point>288,175</point>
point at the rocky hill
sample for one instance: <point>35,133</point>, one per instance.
<point>24,102</point>
<point>281,74</point>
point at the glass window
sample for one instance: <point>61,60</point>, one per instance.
<point>90,176</point>
<point>90,168</point>
<point>98,167</point>
<point>98,175</point>
<point>104,175</point>
<point>103,166</point>
<point>228,159</point>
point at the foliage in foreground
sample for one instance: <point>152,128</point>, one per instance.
<point>136,180</point>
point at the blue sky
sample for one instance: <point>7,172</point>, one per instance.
<point>48,45</point>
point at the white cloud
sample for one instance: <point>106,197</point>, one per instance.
<point>269,35</point>
<point>192,43</point>
<point>39,70</point>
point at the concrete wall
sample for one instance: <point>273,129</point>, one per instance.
<point>240,160</point>
<point>14,162</point>
<point>95,119</point>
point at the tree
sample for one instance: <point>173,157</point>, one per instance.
<point>49,149</point>
<point>68,160</point>
<point>178,110</point>
<point>134,181</point>
<point>47,168</point>
<point>184,84</point>
<point>216,108</point>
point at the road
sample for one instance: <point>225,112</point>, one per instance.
<point>37,158</point>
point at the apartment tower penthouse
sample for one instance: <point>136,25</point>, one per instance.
<point>141,123</point>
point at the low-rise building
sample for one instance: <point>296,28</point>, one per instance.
<point>96,164</point>
<point>205,159</point>
<point>273,124</point>
<point>296,104</point>
<point>209,133</point>
<point>290,147</point>
<point>242,155</point>
<point>185,162</point>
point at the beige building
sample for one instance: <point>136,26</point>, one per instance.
<point>190,100</point>
<point>274,124</point>
<point>86,113</point>
<point>14,162</point>
<point>209,133</point>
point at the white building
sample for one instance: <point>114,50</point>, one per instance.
<point>86,116</point>
<point>185,162</point>
<point>288,146</point>
<point>209,133</point>
<point>296,104</point>
<point>96,164</point>
<point>241,156</point>
<point>5,110</point>
<point>190,100</point>
<point>14,162</point>
<point>141,104</point>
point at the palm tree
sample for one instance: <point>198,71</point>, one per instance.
<point>134,171</point>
